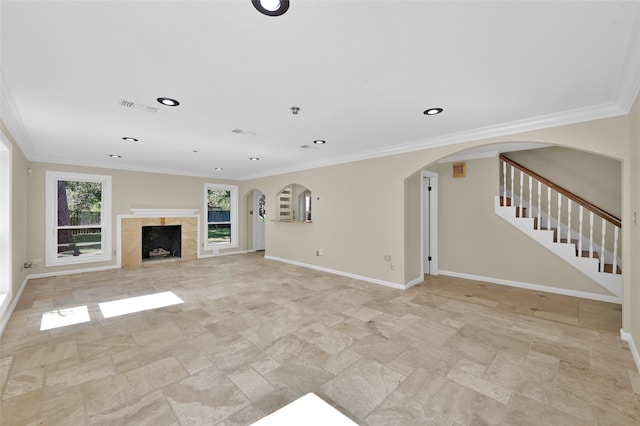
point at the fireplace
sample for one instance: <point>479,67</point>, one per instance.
<point>161,242</point>
<point>130,244</point>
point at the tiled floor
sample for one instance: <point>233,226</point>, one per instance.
<point>253,335</point>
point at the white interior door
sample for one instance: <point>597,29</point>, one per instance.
<point>429,222</point>
<point>426,225</point>
<point>259,220</point>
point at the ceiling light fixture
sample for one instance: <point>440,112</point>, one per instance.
<point>295,110</point>
<point>253,158</point>
<point>168,101</point>
<point>271,7</point>
<point>319,142</point>
<point>115,156</point>
<point>433,111</point>
<point>129,139</point>
<point>218,169</point>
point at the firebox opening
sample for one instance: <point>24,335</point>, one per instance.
<point>161,242</point>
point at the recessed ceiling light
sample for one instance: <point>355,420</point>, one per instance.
<point>271,7</point>
<point>129,139</point>
<point>319,142</point>
<point>433,111</point>
<point>168,101</point>
<point>115,156</point>
<point>218,169</point>
<point>254,158</point>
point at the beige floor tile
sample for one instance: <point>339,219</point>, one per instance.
<point>253,335</point>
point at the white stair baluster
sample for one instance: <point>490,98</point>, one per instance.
<point>521,175</point>
<point>513,194</point>
<point>615,249</point>
<point>604,232</point>
<point>591,234</point>
<point>581,212</point>
<point>539,206</point>
<point>530,200</point>
<point>569,221</point>
<point>549,208</point>
<point>504,183</point>
<point>559,222</point>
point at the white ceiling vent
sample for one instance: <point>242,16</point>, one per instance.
<point>130,104</point>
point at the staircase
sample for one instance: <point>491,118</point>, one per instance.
<point>527,203</point>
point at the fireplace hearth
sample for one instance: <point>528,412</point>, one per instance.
<point>161,242</point>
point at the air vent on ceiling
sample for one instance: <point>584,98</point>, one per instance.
<point>130,104</point>
<point>243,132</point>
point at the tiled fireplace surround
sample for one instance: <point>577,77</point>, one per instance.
<point>131,232</point>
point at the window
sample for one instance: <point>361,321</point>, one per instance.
<point>221,205</point>
<point>78,218</point>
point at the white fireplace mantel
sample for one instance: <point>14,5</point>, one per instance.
<point>164,212</point>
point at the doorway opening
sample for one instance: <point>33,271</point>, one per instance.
<point>256,220</point>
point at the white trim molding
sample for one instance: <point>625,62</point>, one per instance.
<point>627,337</point>
<point>341,273</point>
<point>535,287</point>
<point>164,212</point>
<point>9,312</point>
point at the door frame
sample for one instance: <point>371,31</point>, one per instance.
<point>429,218</point>
<point>256,220</point>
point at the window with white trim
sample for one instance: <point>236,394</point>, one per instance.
<point>221,205</point>
<point>78,218</point>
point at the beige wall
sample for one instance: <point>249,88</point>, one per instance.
<point>595,178</point>
<point>631,230</point>
<point>129,190</point>
<point>19,219</point>
<point>413,225</point>
<point>474,240</point>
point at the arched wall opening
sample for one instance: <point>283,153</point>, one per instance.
<point>468,229</point>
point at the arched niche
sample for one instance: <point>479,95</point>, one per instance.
<point>294,204</point>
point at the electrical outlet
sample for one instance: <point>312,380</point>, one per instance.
<point>320,252</point>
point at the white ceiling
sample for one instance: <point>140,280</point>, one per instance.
<point>362,73</point>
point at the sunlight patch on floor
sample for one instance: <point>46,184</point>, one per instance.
<point>137,304</point>
<point>64,317</point>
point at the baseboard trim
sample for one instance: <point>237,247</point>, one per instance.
<point>536,287</point>
<point>72,271</point>
<point>627,337</point>
<point>229,253</point>
<point>341,273</point>
<point>414,282</point>
<point>12,308</point>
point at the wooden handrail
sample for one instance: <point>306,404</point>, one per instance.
<point>570,195</point>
